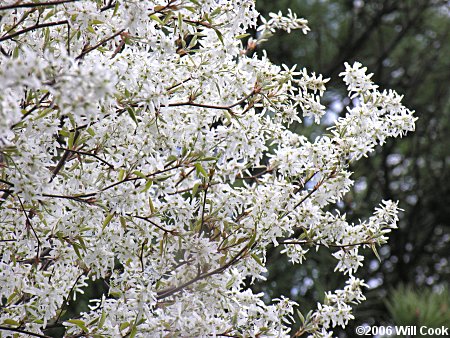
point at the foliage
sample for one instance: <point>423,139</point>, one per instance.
<point>419,307</point>
<point>405,44</point>
<point>143,146</point>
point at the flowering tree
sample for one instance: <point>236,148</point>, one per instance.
<point>142,144</point>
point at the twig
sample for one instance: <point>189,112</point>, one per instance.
<point>90,49</point>
<point>28,224</point>
<point>6,182</point>
<point>66,300</point>
<point>168,292</point>
<point>81,198</point>
<point>25,30</point>
<point>35,4</point>
<point>63,159</point>
<point>6,328</point>
<point>294,242</point>
<point>121,45</point>
<point>202,105</point>
<point>172,232</point>
<point>87,154</point>
<point>111,4</point>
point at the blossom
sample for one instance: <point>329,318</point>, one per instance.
<point>141,147</point>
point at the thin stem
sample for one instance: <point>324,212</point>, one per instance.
<point>168,292</point>
<point>63,159</point>
<point>90,49</point>
<point>111,4</point>
<point>6,328</point>
<point>140,178</point>
<point>178,84</point>
<point>80,198</point>
<point>45,96</point>
<point>333,245</point>
<point>35,4</point>
<point>172,232</point>
<point>209,106</point>
<point>28,29</point>
<point>87,154</point>
<point>28,224</point>
<point>66,300</point>
<point>6,182</point>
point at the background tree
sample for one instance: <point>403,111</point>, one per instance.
<point>406,44</point>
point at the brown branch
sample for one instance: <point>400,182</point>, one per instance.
<point>111,4</point>
<point>22,19</point>
<point>209,106</point>
<point>89,198</point>
<point>90,49</point>
<point>121,45</point>
<point>6,328</point>
<point>6,182</point>
<point>203,209</point>
<point>160,9</point>
<point>178,84</point>
<point>170,291</point>
<point>172,232</point>
<point>35,4</point>
<point>88,154</point>
<point>333,245</point>
<point>66,300</point>
<point>28,224</point>
<point>28,29</point>
<point>81,198</point>
<point>45,96</point>
<point>63,159</point>
<point>140,178</point>
<point>184,176</point>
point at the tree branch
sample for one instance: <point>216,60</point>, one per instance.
<point>28,29</point>
<point>90,49</point>
<point>168,292</point>
<point>6,328</point>
<point>35,4</point>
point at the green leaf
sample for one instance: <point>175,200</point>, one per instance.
<point>102,320</point>
<point>133,331</point>
<point>148,185</point>
<point>121,174</point>
<point>374,249</point>
<point>157,19</point>
<point>132,115</point>
<point>299,314</point>
<point>139,174</point>
<point>152,207</point>
<point>15,54</point>
<point>195,188</point>
<point>107,220</point>
<point>80,324</point>
<point>71,140</point>
<point>123,326</point>
<point>90,131</point>
<point>238,37</point>
<point>123,222</point>
<point>180,21</point>
<point>200,170</point>
<point>257,259</point>
<point>219,35</point>
<point>252,240</point>
<point>77,250</point>
<point>11,322</point>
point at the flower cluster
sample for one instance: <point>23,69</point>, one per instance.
<point>142,148</point>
